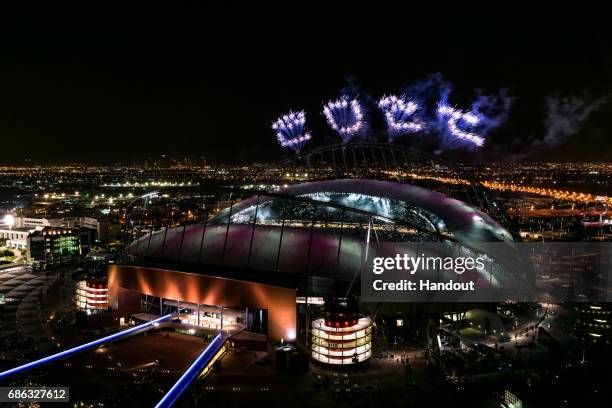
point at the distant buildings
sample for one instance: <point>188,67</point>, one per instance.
<point>15,237</point>
<point>101,226</point>
<point>31,222</point>
<point>55,240</point>
<point>53,245</point>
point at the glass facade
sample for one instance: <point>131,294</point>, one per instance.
<point>52,245</point>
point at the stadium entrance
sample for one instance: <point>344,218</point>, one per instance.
<point>204,301</point>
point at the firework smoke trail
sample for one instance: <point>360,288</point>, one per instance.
<point>398,112</point>
<point>492,110</point>
<point>428,93</point>
<point>290,130</point>
<point>431,93</point>
<point>456,128</point>
<point>564,116</point>
<point>345,116</point>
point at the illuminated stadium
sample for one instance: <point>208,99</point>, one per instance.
<point>306,238</point>
<point>316,229</point>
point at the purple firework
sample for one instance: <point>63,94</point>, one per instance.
<point>399,112</point>
<point>290,130</point>
<point>345,116</point>
<point>456,120</point>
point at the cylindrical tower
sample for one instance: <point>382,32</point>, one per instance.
<point>341,336</point>
<point>92,295</point>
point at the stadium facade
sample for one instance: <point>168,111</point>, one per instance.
<point>264,250</point>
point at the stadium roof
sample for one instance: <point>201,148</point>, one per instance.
<point>463,221</point>
<point>315,229</point>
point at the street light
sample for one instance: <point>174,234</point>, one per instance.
<point>9,220</point>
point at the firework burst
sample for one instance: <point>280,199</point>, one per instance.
<point>290,130</point>
<point>399,114</point>
<point>456,123</point>
<point>345,116</point>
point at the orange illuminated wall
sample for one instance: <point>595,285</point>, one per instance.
<point>126,283</point>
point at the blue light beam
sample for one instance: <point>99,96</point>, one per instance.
<point>191,373</point>
<point>82,347</point>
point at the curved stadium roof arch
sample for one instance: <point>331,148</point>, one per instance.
<point>315,231</point>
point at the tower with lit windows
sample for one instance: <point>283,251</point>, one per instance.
<point>342,336</point>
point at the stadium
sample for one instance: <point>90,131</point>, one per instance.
<point>281,257</point>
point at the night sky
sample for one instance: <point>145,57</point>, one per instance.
<point>103,83</point>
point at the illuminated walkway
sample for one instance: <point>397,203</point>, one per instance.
<point>70,352</point>
<point>202,363</point>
